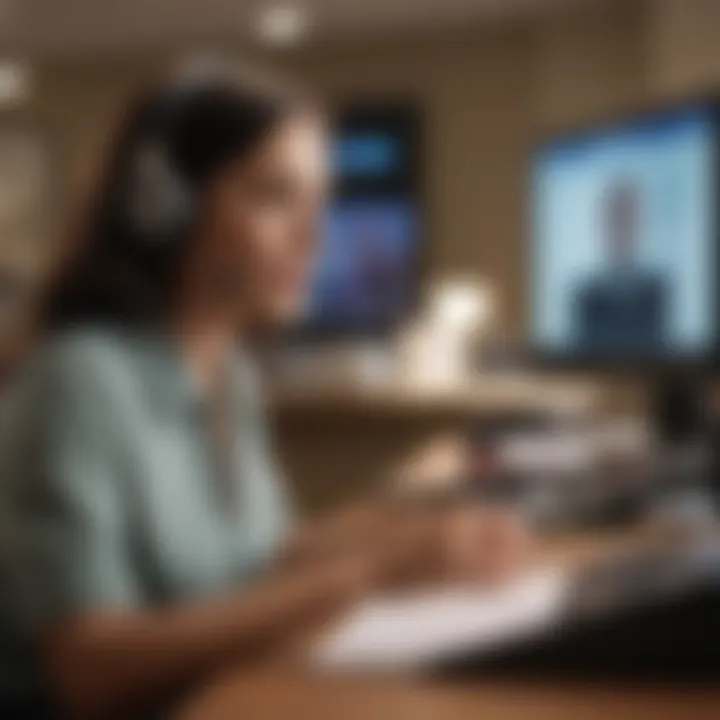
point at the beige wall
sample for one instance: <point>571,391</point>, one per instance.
<point>486,93</point>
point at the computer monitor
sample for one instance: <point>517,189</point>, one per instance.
<point>623,257</point>
<point>368,276</point>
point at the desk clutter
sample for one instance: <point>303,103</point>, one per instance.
<point>640,612</point>
<point>423,628</point>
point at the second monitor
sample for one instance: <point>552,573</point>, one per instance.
<point>623,257</point>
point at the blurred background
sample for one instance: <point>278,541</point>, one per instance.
<point>517,297</point>
<point>457,245</point>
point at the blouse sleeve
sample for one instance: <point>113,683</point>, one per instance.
<point>69,550</point>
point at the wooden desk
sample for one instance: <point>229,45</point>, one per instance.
<point>491,396</point>
<point>282,692</point>
<point>270,696</point>
<point>339,439</point>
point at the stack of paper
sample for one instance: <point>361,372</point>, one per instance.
<point>432,625</point>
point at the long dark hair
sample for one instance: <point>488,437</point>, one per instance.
<point>123,270</point>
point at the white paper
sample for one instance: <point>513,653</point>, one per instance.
<point>428,626</point>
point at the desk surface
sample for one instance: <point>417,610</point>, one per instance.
<point>266,696</point>
<point>491,394</point>
<point>285,692</point>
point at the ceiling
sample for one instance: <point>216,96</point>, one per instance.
<point>90,27</point>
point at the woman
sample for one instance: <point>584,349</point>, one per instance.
<point>150,539</point>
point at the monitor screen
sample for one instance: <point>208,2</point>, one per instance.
<point>367,273</point>
<point>623,241</point>
<point>367,277</point>
<point>369,155</point>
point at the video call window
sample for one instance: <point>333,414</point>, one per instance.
<point>623,257</point>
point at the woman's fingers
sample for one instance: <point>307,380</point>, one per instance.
<point>487,545</point>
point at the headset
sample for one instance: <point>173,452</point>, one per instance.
<point>160,199</point>
<point>160,202</point>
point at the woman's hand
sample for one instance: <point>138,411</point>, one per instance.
<point>398,545</point>
<point>476,544</point>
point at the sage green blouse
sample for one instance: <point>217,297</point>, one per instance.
<point>113,497</point>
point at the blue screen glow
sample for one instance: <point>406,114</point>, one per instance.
<point>623,258</point>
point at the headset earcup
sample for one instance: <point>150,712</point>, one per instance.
<point>159,203</point>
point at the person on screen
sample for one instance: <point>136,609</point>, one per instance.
<point>623,308</point>
<point>147,539</point>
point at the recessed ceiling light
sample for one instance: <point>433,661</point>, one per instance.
<point>14,82</point>
<point>282,25</point>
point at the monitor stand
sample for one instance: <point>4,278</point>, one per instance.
<point>682,419</point>
<point>678,408</point>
